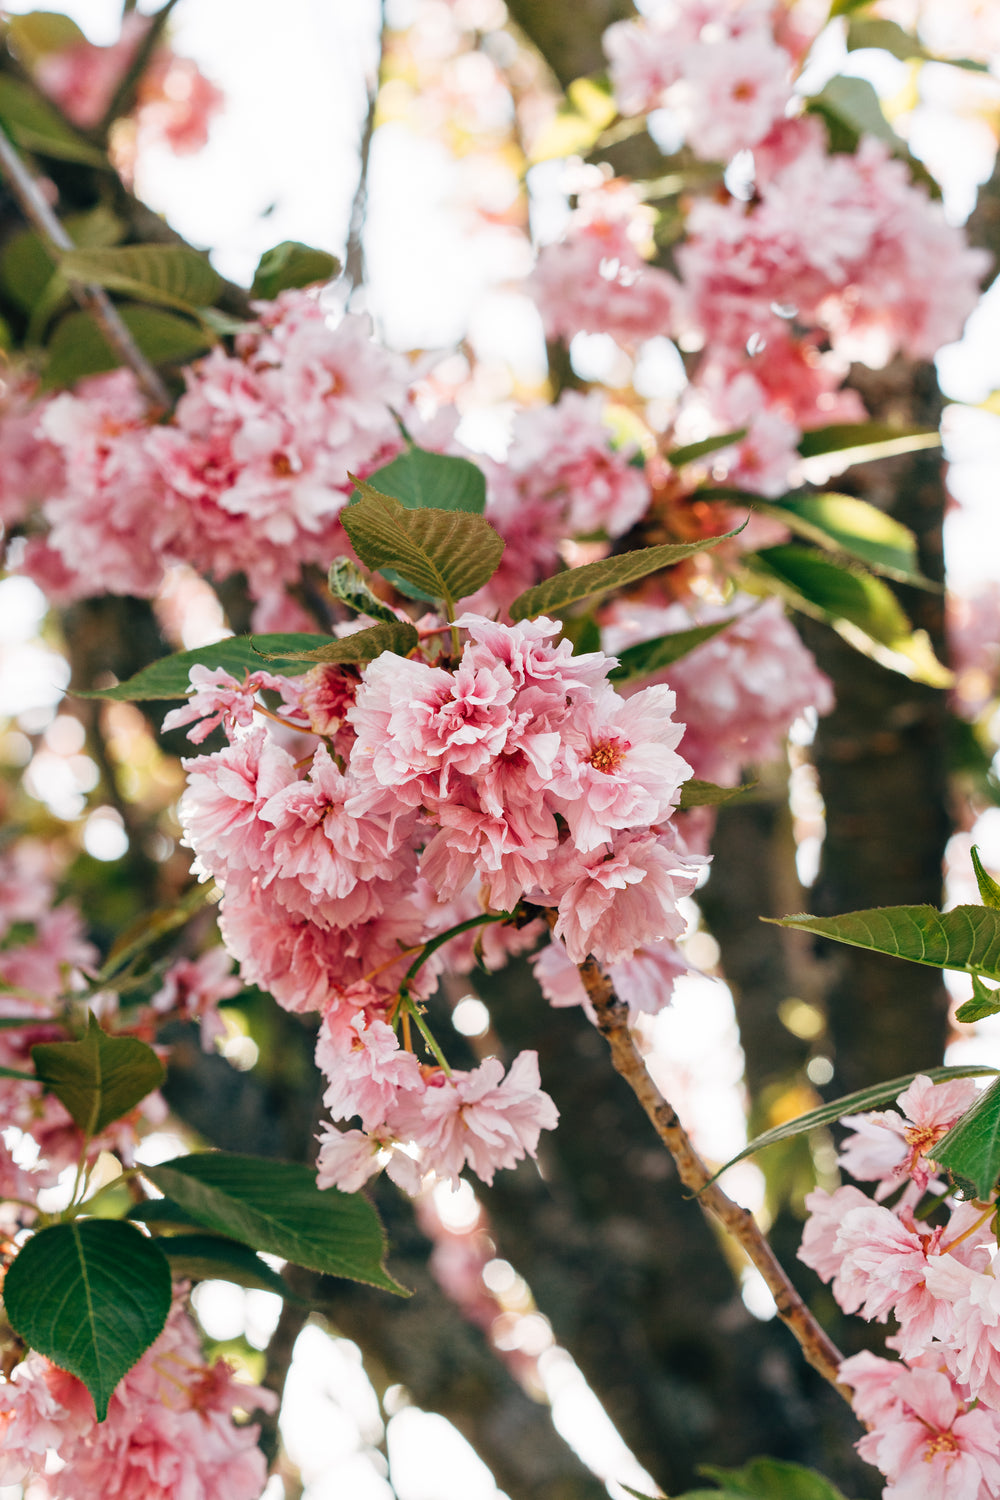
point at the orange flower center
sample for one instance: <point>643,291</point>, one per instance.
<point>606,757</point>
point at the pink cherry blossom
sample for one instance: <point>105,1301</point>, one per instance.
<point>366,1068</point>
<point>481,1117</point>
<point>192,989</point>
<point>929,1110</point>
<point>930,1447</point>
<point>731,92</point>
<point>220,809</point>
<point>349,1158</point>
<point>219,698</point>
<point>168,1433</point>
<point>625,896</point>
<point>622,769</point>
<point>739,692</point>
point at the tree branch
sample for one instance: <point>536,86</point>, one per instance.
<point>93,299</point>
<point>354,256</point>
<point>612,1022</point>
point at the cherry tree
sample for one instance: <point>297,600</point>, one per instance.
<point>390,725</point>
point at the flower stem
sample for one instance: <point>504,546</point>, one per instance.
<point>414,1010</point>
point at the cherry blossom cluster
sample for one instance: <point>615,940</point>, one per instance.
<point>174,105</point>
<point>418,796</point>
<point>169,1430</point>
<point>799,262</point>
<point>251,472</point>
<point>248,476</point>
<point>739,692</point>
<point>915,1253</point>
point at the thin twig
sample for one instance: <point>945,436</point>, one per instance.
<point>354,256</point>
<point>93,299</point>
<point>612,1022</point>
<point>125,93</point>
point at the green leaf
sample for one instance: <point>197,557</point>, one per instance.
<point>887,36</point>
<point>854,103</point>
<point>860,442</point>
<point>38,126</point>
<point>971,1149</point>
<point>651,656</point>
<point>861,608</point>
<point>695,793</point>
<point>210,1257</point>
<point>276,1206</point>
<point>770,1479</point>
<point>169,677</point>
<point>100,1078</point>
<point>394,635</point>
<point>691,451</point>
<point>347,584</point>
<point>985,1002</point>
<point>873,1097</point>
<point>605,576</point>
<point>92,1296</point>
<point>27,268</point>
<point>163,1213</point>
<point>989,891</point>
<point>439,481</point>
<point>438,554</point>
<point>175,275</point>
<point>78,348</point>
<point>966,938</point>
<point>843,523</point>
<point>18,1072</point>
<point>42,31</point>
<point>291,265</point>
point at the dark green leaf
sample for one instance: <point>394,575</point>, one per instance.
<point>17,1072</point>
<point>440,554</point>
<point>843,523</point>
<point>985,1002</point>
<point>989,891</point>
<point>290,265</point>
<point>39,127</point>
<point>92,1296</point>
<point>175,275</point>
<point>696,793</point>
<point>605,576</point>
<point>362,645</point>
<point>691,451</point>
<point>163,1213</point>
<point>861,441</point>
<point>860,607</point>
<point>26,267</point>
<point>347,584</point>
<point>771,1479</point>
<point>965,938</point>
<point>971,1149</point>
<point>170,676</point>
<point>210,1257</point>
<point>647,657</point>
<point>100,1078</point>
<point>276,1207</point>
<point>78,348</point>
<point>873,1097</point>
<point>438,481</point>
